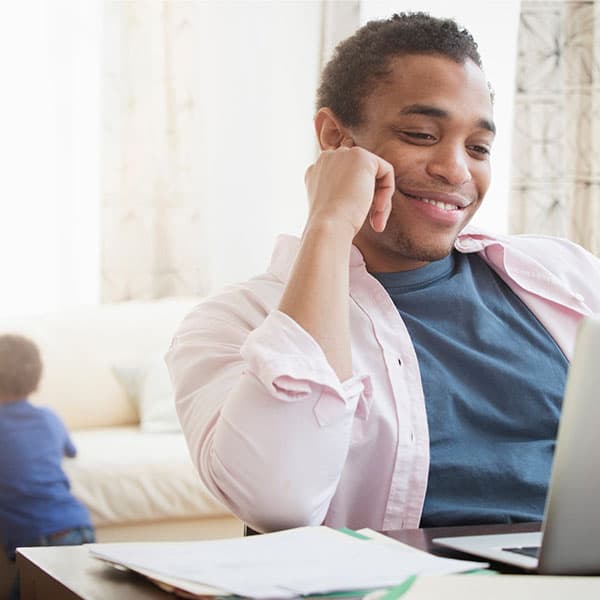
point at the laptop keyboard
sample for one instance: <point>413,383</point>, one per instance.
<point>532,551</point>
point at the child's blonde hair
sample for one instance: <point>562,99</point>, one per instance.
<point>20,367</point>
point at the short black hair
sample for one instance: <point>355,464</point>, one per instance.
<point>363,59</point>
<point>20,366</point>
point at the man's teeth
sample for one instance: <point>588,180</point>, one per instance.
<point>442,205</point>
<point>437,203</point>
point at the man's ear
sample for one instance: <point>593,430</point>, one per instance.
<point>331,134</point>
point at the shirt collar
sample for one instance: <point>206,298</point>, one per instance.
<point>474,239</point>
<point>471,239</point>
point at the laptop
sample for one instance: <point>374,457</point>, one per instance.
<point>569,543</point>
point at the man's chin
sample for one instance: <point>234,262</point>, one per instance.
<point>397,252</point>
<point>431,255</point>
<point>423,252</point>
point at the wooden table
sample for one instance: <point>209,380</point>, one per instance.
<point>70,573</point>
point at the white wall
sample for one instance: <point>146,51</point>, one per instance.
<point>261,76</point>
<point>49,119</point>
<point>494,25</point>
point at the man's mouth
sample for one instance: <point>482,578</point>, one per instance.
<point>445,202</point>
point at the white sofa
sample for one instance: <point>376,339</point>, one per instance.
<point>104,375</point>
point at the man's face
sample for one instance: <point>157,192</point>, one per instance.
<point>431,118</point>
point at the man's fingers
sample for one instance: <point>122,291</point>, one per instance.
<point>355,178</point>
<point>385,171</point>
<point>385,184</point>
<point>382,198</point>
<point>379,218</point>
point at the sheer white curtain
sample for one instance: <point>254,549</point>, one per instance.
<point>50,123</point>
<point>168,138</point>
<point>208,131</point>
<point>171,138</point>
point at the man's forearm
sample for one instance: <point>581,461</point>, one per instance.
<point>316,295</point>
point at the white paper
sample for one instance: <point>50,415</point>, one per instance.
<point>284,564</point>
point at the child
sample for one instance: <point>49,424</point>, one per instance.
<point>36,505</point>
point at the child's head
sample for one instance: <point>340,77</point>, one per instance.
<point>20,367</point>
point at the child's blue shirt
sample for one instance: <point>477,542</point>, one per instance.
<point>35,496</point>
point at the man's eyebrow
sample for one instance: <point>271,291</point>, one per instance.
<point>440,113</point>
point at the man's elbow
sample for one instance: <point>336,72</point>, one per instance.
<point>278,513</point>
<point>275,504</point>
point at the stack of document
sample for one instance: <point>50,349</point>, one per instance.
<point>285,564</point>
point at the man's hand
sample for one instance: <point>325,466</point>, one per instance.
<point>347,185</point>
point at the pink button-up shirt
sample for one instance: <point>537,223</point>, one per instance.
<point>282,442</point>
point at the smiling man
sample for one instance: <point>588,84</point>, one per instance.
<point>436,133</point>
<point>391,368</point>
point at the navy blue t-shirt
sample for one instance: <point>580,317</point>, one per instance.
<point>35,499</point>
<point>493,380</point>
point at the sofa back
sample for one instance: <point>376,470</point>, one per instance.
<point>79,348</point>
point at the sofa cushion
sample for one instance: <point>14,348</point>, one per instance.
<point>79,346</point>
<point>125,476</point>
<point>148,385</point>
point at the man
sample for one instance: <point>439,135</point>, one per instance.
<point>389,371</point>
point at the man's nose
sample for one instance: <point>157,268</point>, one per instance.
<point>450,163</point>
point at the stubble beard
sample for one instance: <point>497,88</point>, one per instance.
<point>422,252</point>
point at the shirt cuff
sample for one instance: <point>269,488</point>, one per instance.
<point>293,367</point>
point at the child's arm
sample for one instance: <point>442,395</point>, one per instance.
<point>70,449</point>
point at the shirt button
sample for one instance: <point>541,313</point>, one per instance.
<point>412,437</point>
<point>578,297</point>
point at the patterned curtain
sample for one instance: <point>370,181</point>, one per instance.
<point>556,153</point>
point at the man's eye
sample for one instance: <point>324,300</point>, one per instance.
<point>419,135</point>
<point>483,150</point>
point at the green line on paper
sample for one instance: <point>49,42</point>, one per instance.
<point>399,590</point>
<point>353,533</point>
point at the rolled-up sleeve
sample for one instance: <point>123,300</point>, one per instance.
<point>267,421</point>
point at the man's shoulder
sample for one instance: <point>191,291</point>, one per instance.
<point>559,255</point>
<point>236,308</point>
<point>544,248</point>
